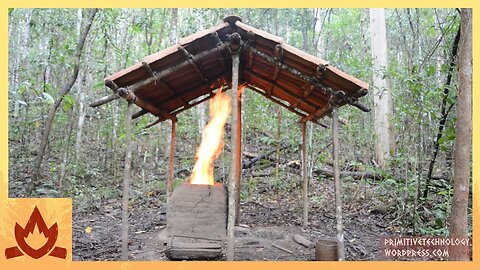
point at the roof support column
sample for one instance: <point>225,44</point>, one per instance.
<point>126,180</point>
<point>239,154</point>
<point>171,160</point>
<point>304,173</point>
<point>338,191</point>
<point>233,187</point>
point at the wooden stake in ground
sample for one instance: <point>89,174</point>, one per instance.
<point>171,160</point>
<point>126,180</point>
<point>463,146</point>
<point>239,155</point>
<point>53,110</point>
<point>304,173</point>
<point>338,191</point>
<point>234,169</point>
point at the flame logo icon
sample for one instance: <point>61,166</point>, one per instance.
<point>22,234</point>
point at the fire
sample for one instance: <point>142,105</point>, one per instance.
<point>212,140</point>
<point>37,238</point>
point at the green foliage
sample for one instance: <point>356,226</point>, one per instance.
<point>68,102</point>
<point>48,98</point>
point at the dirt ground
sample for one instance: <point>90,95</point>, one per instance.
<point>266,220</point>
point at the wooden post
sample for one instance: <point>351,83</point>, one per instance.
<point>338,191</point>
<point>239,156</point>
<point>171,160</point>
<point>126,180</point>
<point>232,180</point>
<point>304,174</point>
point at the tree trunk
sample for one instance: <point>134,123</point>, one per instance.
<point>53,110</point>
<point>174,34</point>
<point>66,153</point>
<point>277,137</point>
<point>81,119</point>
<point>21,58</point>
<point>463,146</point>
<point>381,95</point>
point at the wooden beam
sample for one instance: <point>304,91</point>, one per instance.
<point>192,62</point>
<point>174,114</point>
<point>314,81</point>
<point>159,120</point>
<point>285,67</point>
<point>304,174</point>
<point>360,106</point>
<point>218,43</point>
<point>294,105</point>
<point>251,56</point>
<point>232,181</point>
<point>317,114</point>
<point>308,90</point>
<point>257,90</point>
<point>216,39</point>
<point>279,58</point>
<point>148,69</point>
<point>168,71</point>
<point>126,180</point>
<point>112,85</point>
<point>104,100</point>
<point>210,95</point>
<point>318,123</point>
<point>171,161</point>
<point>286,91</point>
<point>207,84</point>
<point>320,72</point>
<point>158,79</point>
<point>131,97</point>
<point>139,113</point>
<point>338,190</point>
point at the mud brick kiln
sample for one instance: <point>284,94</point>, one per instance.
<point>197,221</point>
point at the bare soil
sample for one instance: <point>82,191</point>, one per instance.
<point>267,221</point>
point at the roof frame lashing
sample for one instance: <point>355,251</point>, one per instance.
<point>279,56</point>
<point>304,86</point>
<point>160,80</point>
<point>315,80</point>
<point>286,91</point>
<point>151,79</point>
<point>218,45</point>
<point>129,95</point>
<point>193,63</point>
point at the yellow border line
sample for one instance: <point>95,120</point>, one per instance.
<point>243,4</point>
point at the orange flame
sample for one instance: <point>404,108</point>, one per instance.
<point>212,140</point>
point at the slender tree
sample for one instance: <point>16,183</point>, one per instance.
<point>53,110</point>
<point>443,112</point>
